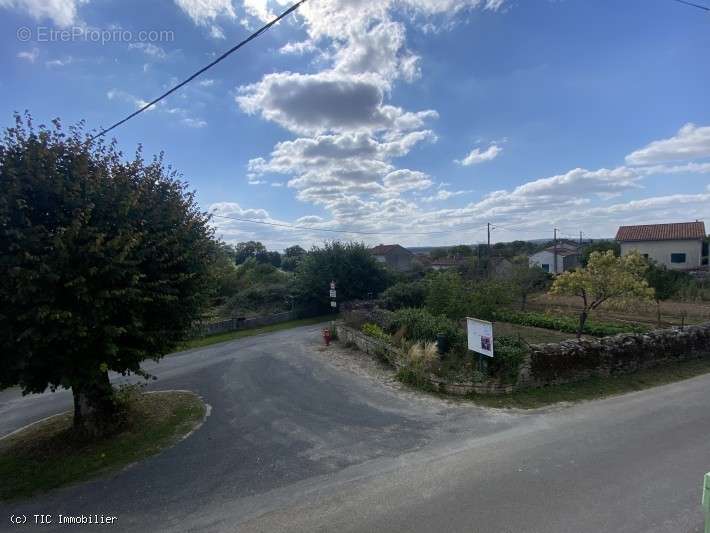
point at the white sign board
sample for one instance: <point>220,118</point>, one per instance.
<point>480,336</point>
<point>332,285</point>
<point>332,293</point>
<point>333,304</point>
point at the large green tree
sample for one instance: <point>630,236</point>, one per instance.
<point>355,271</point>
<point>104,263</point>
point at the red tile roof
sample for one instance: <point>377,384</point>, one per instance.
<point>662,232</point>
<point>384,249</point>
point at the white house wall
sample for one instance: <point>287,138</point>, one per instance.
<point>660,252</point>
<point>548,258</point>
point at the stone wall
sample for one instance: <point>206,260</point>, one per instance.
<point>575,360</point>
<point>568,361</point>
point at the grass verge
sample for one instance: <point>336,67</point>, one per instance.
<point>232,335</point>
<point>47,455</point>
<point>596,388</point>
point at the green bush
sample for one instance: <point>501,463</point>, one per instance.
<point>567,324</point>
<point>375,331</point>
<point>401,295</point>
<point>422,326</point>
<point>509,352</point>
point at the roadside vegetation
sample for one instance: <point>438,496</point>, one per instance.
<point>414,314</point>
<point>50,453</point>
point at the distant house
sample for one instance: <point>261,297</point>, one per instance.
<point>680,246</point>
<point>394,256</point>
<point>557,259</point>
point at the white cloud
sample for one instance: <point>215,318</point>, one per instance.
<point>691,142</point>
<point>62,12</point>
<point>298,48</point>
<point>194,122</point>
<point>149,49</point>
<point>205,12</point>
<point>444,194</point>
<point>327,102</point>
<point>477,156</point>
<point>29,55</point>
<point>58,63</point>
<point>206,83</point>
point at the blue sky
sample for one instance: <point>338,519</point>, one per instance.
<point>419,119</point>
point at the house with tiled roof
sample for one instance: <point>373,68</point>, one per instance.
<point>394,256</point>
<point>680,246</point>
<point>557,258</point>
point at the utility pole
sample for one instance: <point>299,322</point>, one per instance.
<point>554,268</point>
<point>488,259</point>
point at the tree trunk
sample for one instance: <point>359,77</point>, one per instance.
<point>523,301</point>
<point>658,312</point>
<point>94,406</point>
<point>582,321</point>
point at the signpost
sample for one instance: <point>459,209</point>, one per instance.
<point>333,303</point>
<point>480,339</point>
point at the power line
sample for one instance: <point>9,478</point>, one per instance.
<point>253,36</point>
<point>691,4</point>
<point>311,228</point>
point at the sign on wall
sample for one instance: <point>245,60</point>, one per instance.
<point>480,336</point>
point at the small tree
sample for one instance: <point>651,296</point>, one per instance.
<point>104,263</point>
<point>527,279</point>
<point>606,277</point>
<point>665,284</point>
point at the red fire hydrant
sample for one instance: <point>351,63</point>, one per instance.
<point>326,336</point>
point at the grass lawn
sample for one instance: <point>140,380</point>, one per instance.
<point>47,455</point>
<point>232,335</point>
<point>530,334</point>
<point>597,387</point>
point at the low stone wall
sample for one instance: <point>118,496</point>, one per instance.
<point>567,361</point>
<point>576,360</point>
<point>395,357</point>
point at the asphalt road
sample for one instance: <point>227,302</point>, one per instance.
<point>299,441</point>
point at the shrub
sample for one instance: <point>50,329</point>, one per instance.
<point>419,361</point>
<point>509,353</point>
<point>401,295</point>
<point>375,331</point>
<point>422,326</point>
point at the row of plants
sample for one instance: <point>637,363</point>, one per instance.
<point>565,324</point>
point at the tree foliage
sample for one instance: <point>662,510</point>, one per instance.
<point>600,246</point>
<point>353,268</point>
<point>526,279</point>
<point>666,283</point>
<point>292,258</point>
<point>404,294</point>
<point>606,277</point>
<point>105,263</point>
